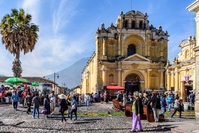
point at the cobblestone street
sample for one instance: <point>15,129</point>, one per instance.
<point>18,121</point>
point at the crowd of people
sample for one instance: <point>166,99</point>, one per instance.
<point>154,102</point>
<point>34,100</point>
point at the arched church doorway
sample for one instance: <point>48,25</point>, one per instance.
<point>132,83</point>
<point>188,89</point>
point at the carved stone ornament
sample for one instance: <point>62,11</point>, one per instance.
<point>134,65</point>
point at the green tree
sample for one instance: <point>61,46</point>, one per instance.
<point>18,35</point>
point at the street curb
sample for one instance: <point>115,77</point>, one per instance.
<point>176,130</point>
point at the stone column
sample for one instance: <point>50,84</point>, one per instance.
<point>168,81</point>
<point>142,85</point>
<point>172,79</point>
<point>196,49</point>
<point>119,70</point>
<point>161,78</point>
<point>119,44</point>
<point>104,46</point>
<point>104,75</point>
<point>176,81</point>
<point>182,91</point>
<point>119,77</point>
<point>148,78</point>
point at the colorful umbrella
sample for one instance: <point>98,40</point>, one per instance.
<point>8,86</point>
<point>13,80</point>
<point>35,83</point>
<point>26,81</point>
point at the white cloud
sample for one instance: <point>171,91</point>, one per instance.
<point>32,7</point>
<point>65,11</point>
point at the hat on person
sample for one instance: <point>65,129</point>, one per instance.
<point>61,96</point>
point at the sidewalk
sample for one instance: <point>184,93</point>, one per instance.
<point>20,121</point>
<point>186,124</point>
<point>179,125</point>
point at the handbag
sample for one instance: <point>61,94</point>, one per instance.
<point>73,106</point>
<point>44,111</point>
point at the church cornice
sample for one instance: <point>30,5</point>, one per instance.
<point>194,6</point>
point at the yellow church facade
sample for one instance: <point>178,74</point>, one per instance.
<point>194,7</point>
<point>131,51</point>
<point>181,72</point>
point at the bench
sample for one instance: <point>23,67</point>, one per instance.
<point>128,110</point>
<point>149,116</point>
<point>117,105</point>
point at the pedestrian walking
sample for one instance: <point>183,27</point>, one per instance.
<point>124,98</point>
<point>36,103</point>
<point>69,106</point>
<point>169,101</point>
<point>46,105</point>
<point>25,93</point>
<point>191,99</point>
<point>177,107</point>
<point>52,102</point>
<point>87,99</point>
<point>107,97</point>
<point>73,109</point>
<point>155,100</point>
<point>137,111</point>
<point>28,102</point>
<point>15,99</point>
<point>63,107</point>
<point>163,104</point>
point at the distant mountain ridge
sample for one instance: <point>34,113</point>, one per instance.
<point>71,75</point>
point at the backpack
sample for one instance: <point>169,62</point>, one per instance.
<point>181,106</point>
<point>29,100</point>
<point>20,93</point>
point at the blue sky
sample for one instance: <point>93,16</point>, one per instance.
<point>67,29</point>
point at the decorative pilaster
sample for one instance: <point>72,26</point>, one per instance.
<point>182,96</point>
<point>196,49</point>
<point>176,81</point>
<point>119,44</point>
<point>104,46</point>
<point>161,78</point>
<point>148,77</point>
<point>168,81</point>
<point>104,75</point>
<point>119,77</point>
<point>172,79</point>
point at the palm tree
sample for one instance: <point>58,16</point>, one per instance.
<point>18,34</point>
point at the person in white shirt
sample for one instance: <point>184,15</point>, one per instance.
<point>52,98</point>
<point>87,97</point>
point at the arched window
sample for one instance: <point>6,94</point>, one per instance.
<point>111,79</point>
<point>126,23</point>
<point>133,24</point>
<point>141,24</point>
<point>131,49</point>
<point>186,54</point>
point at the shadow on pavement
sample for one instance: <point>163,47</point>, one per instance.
<point>93,119</point>
<point>84,122</point>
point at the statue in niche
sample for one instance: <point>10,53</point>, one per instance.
<point>168,63</point>
<point>102,26</point>
<point>121,13</point>
<point>175,60</point>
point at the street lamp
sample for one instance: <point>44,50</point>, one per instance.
<point>64,88</point>
<point>55,74</point>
